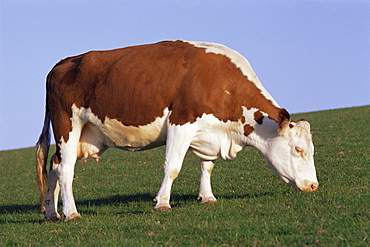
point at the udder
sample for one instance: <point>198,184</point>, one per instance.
<point>92,143</point>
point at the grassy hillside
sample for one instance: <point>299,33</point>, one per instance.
<point>254,209</point>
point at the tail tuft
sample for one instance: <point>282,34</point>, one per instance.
<point>42,150</point>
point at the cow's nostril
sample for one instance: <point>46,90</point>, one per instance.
<point>314,186</point>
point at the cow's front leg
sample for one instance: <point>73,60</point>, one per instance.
<point>205,190</point>
<point>52,194</point>
<point>178,141</point>
<point>171,172</point>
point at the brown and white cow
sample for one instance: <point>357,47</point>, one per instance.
<point>188,95</point>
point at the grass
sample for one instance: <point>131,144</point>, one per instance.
<point>254,207</point>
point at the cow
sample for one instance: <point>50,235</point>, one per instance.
<point>187,95</point>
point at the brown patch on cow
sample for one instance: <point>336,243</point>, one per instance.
<point>135,84</point>
<point>248,129</point>
<point>258,117</point>
<point>283,118</point>
<point>56,157</point>
<point>199,97</point>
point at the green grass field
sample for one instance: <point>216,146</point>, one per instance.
<point>254,207</point>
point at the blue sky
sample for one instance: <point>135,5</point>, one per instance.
<point>310,55</point>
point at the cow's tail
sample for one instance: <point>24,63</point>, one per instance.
<point>42,150</point>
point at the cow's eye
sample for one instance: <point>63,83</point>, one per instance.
<point>299,150</point>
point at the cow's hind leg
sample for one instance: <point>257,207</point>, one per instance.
<point>68,152</point>
<point>67,139</point>
<point>205,190</point>
<point>178,141</point>
<point>52,194</point>
<point>61,179</point>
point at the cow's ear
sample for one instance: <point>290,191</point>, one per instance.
<point>304,127</point>
<point>284,118</point>
<point>284,122</point>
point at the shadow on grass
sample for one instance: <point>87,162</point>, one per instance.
<point>175,198</point>
<point>116,200</point>
<point>15,209</point>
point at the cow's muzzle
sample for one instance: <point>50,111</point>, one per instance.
<point>308,186</point>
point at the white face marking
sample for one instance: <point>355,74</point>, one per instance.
<point>291,156</point>
<point>240,61</point>
<point>288,151</point>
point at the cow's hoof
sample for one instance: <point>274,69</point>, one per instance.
<point>163,208</point>
<point>73,216</point>
<point>52,219</point>
<point>209,200</point>
<point>55,217</point>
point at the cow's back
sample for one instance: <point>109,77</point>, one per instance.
<point>134,85</point>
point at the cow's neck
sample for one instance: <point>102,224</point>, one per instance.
<point>262,132</point>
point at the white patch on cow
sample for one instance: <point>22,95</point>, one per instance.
<point>261,132</point>
<point>216,139</point>
<point>249,115</point>
<point>240,61</point>
<point>267,129</point>
<point>113,133</point>
<point>136,138</point>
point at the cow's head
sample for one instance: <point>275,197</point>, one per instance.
<point>290,154</point>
